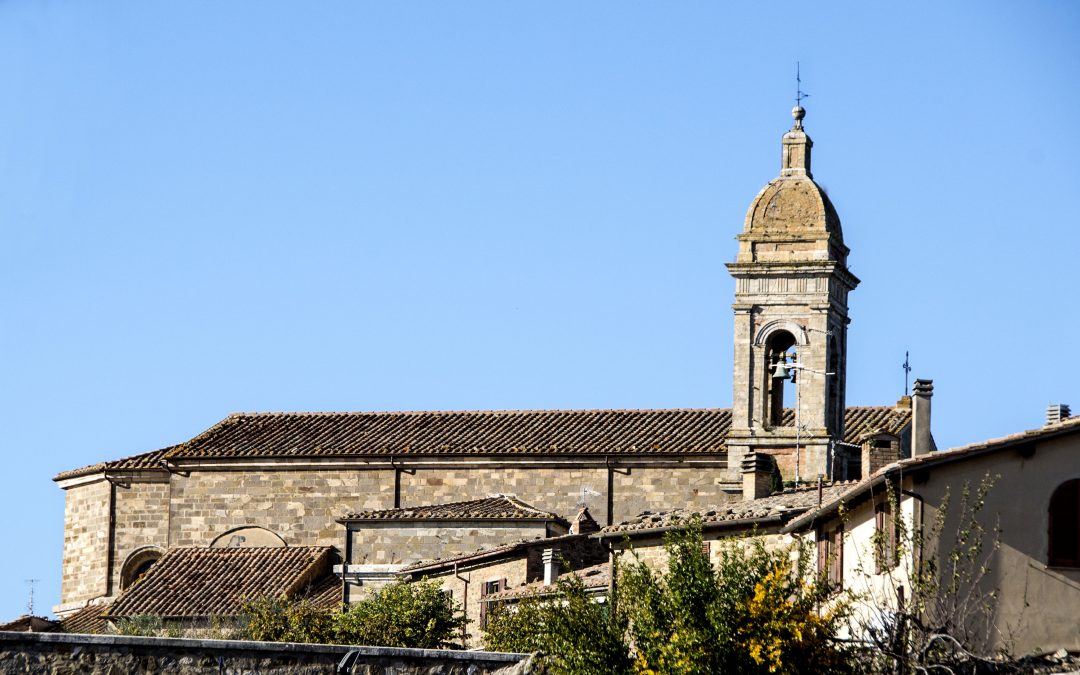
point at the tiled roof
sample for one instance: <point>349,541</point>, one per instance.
<point>932,459</point>
<point>31,624</point>
<point>324,593</point>
<point>786,504</point>
<point>595,577</point>
<point>203,582</point>
<point>147,460</point>
<point>501,507</point>
<point>86,620</point>
<point>487,432</point>
<point>483,554</point>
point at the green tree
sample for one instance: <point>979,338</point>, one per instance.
<point>402,615</point>
<point>575,633</point>
<point>756,611</point>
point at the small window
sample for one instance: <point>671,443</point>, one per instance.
<point>886,535</point>
<point>487,607</point>
<point>1065,525</point>
<point>830,550</point>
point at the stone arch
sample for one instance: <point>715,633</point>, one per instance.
<point>137,563</point>
<point>248,536</point>
<point>796,330</point>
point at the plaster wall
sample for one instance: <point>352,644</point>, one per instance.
<point>1037,608</point>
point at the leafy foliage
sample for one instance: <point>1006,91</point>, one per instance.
<point>757,611</point>
<point>281,620</point>
<point>578,634</point>
<point>402,615</point>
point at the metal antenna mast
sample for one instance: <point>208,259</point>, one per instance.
<point>30,602</point>
<point>907,372</point>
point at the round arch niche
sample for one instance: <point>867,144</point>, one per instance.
<point>137,563</point>
<point>248,537</point>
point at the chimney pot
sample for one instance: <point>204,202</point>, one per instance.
<point>1057,412</point>
<point>757,474</point>
<point>551,565</point>
<point>922,442</point>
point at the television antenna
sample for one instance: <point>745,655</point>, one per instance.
<point>30,602</point>
<point>587,492</point>
<point>907,372</point>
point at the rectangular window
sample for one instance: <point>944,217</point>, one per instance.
<point>830,550</point>
<point>486,606</point>
<point>886,536</point>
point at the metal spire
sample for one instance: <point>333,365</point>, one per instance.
<point>907,372</point>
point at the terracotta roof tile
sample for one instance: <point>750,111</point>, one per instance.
<point>204,582</point>
<point>86,620</point>
<point>144,461</point>
<point>786,504</point>
<point>501,507</point>
<point>930,460</point>
<point>483,554</point>
<point>595,577</point>
<point>683,431</point>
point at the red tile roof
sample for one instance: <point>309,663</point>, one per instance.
<point>86,620</point>
<point>511,432</point>
<point>205,582</point>
<point>780,506</point>
<point>593,578</point>
<point>930,460</point>
<point>501,507</point>
<point>145,461</point>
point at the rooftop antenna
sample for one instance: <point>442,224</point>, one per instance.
<point>907,372</point>
<point>586,492</point>
<point>30,602</point>
<point>799,93</point>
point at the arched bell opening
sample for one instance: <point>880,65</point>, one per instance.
<point>779,379</point>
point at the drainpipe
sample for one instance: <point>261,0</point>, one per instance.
<point>464,603</point>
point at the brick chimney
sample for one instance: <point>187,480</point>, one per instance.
<point>1057,412</point>
<point>922,442</point>
<point>551,565</point>
<point>878,451</point>
<point>757,475</point>
<point>583,522</point>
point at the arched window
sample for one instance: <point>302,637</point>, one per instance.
<point>137,565</point>
<point>1065,525</point>
<point>776,349</point>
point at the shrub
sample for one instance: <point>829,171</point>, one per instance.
<point>402,615</point>
<point>577,634</point>
<point>282,620</point>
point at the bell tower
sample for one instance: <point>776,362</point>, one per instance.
<point>791,318</point>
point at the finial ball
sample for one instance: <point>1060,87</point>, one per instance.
<point>798,112</point>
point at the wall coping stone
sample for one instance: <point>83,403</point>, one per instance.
<point>74,639</point>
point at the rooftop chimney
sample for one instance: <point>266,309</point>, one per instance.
<point>1057,412</point>
<point>551,565</point>
<point>922,441</point>
<point>583,522</point>
<point>757,475</point>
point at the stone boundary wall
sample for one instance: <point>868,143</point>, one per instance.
<point>109,654</point>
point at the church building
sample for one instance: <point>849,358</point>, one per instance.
<point>388,490</point>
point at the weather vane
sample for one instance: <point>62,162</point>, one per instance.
<point>799,93</point>
<point>907,372</point>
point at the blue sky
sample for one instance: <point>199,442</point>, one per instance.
<point>216,207</point>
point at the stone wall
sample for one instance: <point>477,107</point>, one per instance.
<point>86,542</point>
<point>141,519</point>
<point>300,506</point>
<point>397,542</point>
<point>468,589</point>
<point>110,654</point>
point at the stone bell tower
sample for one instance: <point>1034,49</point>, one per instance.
<point>791,317</point>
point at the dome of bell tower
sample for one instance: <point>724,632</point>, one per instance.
<point>792,218</point>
